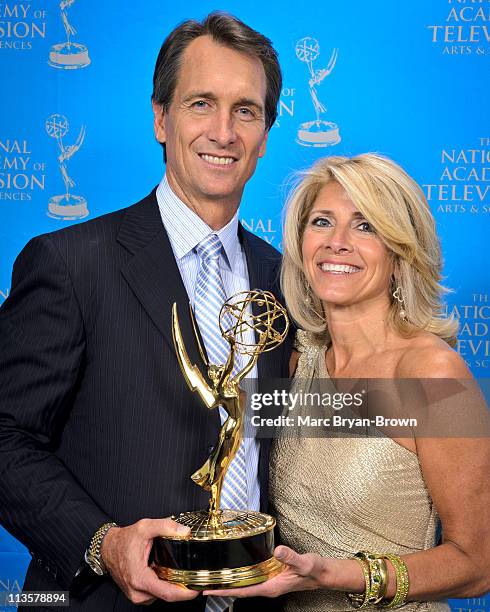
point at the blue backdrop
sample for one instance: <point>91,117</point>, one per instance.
<point>406,79</point>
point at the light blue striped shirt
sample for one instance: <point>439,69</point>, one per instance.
<point>186,230</point>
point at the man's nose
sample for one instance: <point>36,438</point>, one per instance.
<point>222,128</point>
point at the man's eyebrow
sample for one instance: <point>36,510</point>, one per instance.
<point>208,95</point>
<point>199,94</point>
<point>249,102</point>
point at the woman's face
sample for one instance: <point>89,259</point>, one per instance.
<point>344,260</point>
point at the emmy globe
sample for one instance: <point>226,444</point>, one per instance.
<point>226,548</point>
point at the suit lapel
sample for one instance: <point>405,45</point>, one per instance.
<point>263,274</point>
<point>152,272</point>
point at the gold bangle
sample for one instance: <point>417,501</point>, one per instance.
<point>359,600</point>
<point>378,577</point>
<point>402,582</point>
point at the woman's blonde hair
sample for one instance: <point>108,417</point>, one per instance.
<point>394,204</point>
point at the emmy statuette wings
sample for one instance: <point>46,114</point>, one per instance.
<point>192,373</point>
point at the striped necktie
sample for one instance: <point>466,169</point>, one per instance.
<point>209,298</point>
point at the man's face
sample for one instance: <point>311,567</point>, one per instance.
<point>214,129</point>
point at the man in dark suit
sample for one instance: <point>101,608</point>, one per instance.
<point>99,433</point>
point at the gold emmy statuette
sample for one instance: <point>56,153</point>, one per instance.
<point>226,548</point>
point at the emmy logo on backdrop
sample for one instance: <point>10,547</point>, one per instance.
<point>67,206</point>
<point>68,55</point>
<point>317,133</point>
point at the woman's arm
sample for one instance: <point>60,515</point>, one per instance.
<point>456,471</point>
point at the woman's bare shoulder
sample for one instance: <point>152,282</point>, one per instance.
<point>428,356</point>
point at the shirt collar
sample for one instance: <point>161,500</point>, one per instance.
<point>186,229</point>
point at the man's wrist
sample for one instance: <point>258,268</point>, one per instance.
<point>106,545</point>
<point>93,554</point>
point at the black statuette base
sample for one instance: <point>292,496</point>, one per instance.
<point>216,560</point>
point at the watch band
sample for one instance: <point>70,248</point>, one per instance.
<point>92,554</point>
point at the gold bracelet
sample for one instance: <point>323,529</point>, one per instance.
<point>359,600</point>
<point>379,578</point>
<point>376,577</point>
<point>402,582</point>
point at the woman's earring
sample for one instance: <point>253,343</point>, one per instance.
<point>310,303</point>
<point>398,296</point>
<point>308,298</point>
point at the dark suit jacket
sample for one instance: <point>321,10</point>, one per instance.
<point>96,421</point>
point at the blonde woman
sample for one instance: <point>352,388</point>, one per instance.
<point>361,277</point>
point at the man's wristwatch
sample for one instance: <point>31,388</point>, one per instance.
<point>92,554</point>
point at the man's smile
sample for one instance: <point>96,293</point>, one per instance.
<point>217,160</point>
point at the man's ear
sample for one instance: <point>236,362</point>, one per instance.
<point>263,146</point>
<point>159,122</point>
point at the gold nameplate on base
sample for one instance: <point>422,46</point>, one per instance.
<point>226,548</point>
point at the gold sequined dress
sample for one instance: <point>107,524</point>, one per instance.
<point>336,496</point>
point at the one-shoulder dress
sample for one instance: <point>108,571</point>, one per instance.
<point>337,496</point>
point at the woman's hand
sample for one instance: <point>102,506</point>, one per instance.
<point>300,573</point>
